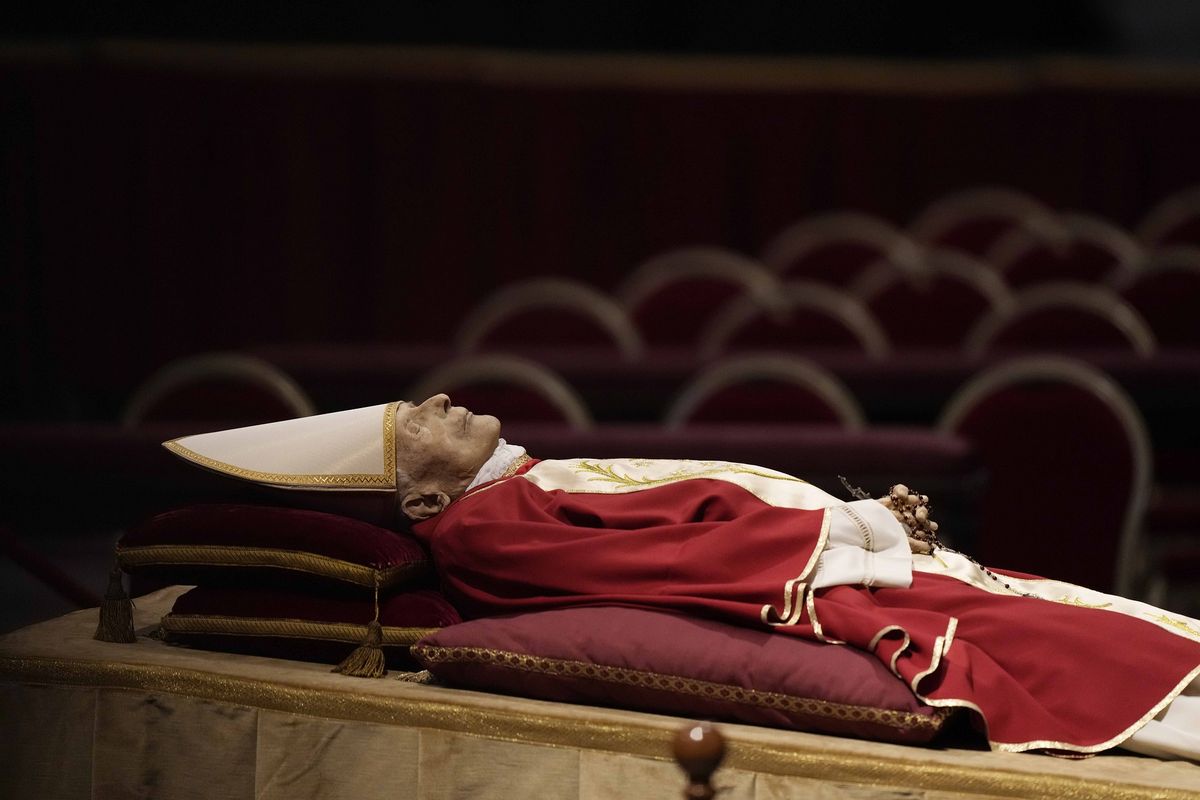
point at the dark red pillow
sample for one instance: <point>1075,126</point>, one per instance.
<point>666,663</point>
<point>303,625</point>
<point>201,544</point>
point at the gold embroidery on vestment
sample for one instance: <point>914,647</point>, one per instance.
<point>1075,601</point>
<point>605,474</point>
<point>1174,623</point>
<point>516,465</point>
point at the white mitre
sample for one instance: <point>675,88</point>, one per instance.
<point>346,450</point>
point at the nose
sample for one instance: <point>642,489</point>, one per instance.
<point>441,401</point>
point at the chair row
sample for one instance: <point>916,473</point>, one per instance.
<point>758,387</point>
<point>708,301</point>
<point>961,258</point>
<point>1017,234</point>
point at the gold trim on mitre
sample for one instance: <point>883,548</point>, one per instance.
<point>385,480</point>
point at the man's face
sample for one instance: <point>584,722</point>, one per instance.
<point>442,445</point>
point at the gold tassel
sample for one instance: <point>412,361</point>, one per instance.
<point>367,659</point>
<point>116,612</point>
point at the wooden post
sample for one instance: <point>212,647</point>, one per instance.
<point>699,749</point>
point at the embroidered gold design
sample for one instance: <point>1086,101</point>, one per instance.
<point>680,685</point>
<point>131,558</point>
<point>362,480</point>
<point>287,629</point>
<point>516,465</point>
<point>709,469</point>
<point>1178,624</point>
<point>1075,601</point>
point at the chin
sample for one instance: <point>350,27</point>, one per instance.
<point>490,423</point>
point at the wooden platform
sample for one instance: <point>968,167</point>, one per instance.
<point>93,720</point>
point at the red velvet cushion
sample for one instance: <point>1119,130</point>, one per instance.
<point>208,541</point>
<point>660,662</point>
<point>306,625</point>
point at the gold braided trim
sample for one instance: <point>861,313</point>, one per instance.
<point>826,759</point>
<point>363,480</point>
<point>711,469</point>
<point>347,632</point>
<point>215,555</point>
<point>516,465</point>
<point>689,686</point>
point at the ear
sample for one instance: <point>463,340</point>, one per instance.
<point>419,505</point>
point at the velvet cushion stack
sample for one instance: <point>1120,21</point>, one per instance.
<point>302,584</point>
<point>286,582</point>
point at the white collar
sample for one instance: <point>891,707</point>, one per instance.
<point>501,459</point>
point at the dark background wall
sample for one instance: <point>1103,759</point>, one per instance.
<point>185,180</point>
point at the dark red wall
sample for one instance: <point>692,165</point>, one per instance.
<point>164,200</point>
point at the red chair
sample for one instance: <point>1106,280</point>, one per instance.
<point>1062,316</point>
<point>546,313</point>
<point>806,315</point>
<point>936,306</point>
<point>1068,459</point>
<point>835,248</point>
<point>973,220</point>
<point>1080,248</point>
<point>1174,221</point>
<point>671,296</point>
<point>508,387</point>
<point>1166,292</point>
<point>765,388</point>
<point>217,387</point>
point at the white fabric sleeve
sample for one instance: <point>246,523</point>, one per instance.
<point>867,546</point>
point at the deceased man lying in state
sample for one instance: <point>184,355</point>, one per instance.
<point>1042,663</point>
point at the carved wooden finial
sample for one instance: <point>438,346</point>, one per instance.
<point>699,749</point>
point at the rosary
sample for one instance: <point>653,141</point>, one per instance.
<point>911,509</point>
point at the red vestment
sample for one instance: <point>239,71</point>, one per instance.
<point>1040,674</point>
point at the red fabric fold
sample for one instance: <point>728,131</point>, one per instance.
<point>1040,673</point>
